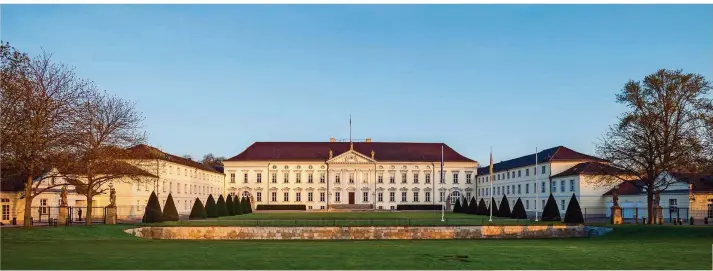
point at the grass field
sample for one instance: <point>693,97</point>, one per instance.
<point>108,247</point>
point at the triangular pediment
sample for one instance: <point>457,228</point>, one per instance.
<point>351,157</point>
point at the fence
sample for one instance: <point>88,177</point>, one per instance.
<point>47,215</point>
<point>632,215</point>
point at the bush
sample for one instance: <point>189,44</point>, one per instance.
<point>494,207</point>
<point>419,207</point>
<point>222,209</point>
<point>464,205</point>
<point>504,207</point>
<point>518,211</point>
<point>210,208</point>
<point>550,212</point>
<point>472,207</point>
<point>229,204</point>
<point>457,207</point>
<point>152,211</point>
<point>247,208</point>
<point>482,208</point>
<point>198,211</point>
<point>169,211</point>
<point>237,206</point>
<point>573,215</point>
<point>281,207</point>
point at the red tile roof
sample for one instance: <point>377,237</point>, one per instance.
<point>143,151</point>
<point>589,168</point>
<point>319,151</point>
<point>555,154</point>
<point>626,188</point>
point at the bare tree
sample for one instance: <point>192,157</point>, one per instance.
<point>106,127</point>
<point>38,100</point>
<point>188,156</point>
<point>664,130</point>
<point>210,160</point>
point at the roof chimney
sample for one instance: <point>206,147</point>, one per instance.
<point>368,139</point>
<point>332,139</point>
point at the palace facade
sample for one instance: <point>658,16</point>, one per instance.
<point>350,175</point>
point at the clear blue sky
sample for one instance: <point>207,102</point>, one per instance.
<point>217,78</point>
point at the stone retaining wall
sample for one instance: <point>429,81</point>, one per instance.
<point>359,233</point>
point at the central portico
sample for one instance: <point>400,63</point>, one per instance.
<point>349,175</point>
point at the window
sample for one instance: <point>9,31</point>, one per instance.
<point>543,187</point>
<point>403,177</point>
<point>392,196</point>
<point>287,177</point>
<point>392,178</point>
<point>508,174</point>
<point>274,178</point>
<point>138,187</point>
<point>455,195</point>
<point>467,195</point>
<point>178,188</point>
<point>554,186</point>
<point>498,193</point>
<point>415,177</point>
<point>245,178</point>
<point>455,178</point>
<point>185,172</point>
<point>321,207</point>
<point>527,204</point>
<point>519,173</point>
<point>170,187</point>
<point>321,178</point>
<point>442,177</point>
<point>428,196</point>
<point>380,196</point>
<point>337,178</point>
<point>351,177</point>
<point>43,205</point>
<point>6,212</point>
<point>365,196</point>
<point>543,169</point>
<point>286,196</point>
<point>527,172</point>
<point>571,185</point>
<point>673,202</point>
<point>380,178</point>
<point>562,205</point>
<point>298,177</point>
<point>428,177</point>
<point>274,196</point>
<point>508,187</point>
<point>415,196</point>
<point>258,196</point>
<point>442,196</point>
<point>259,178</point>
<point>467,178</point>
<point>562,186</point>
<point>518,189</point>
<point>309,178</point>
<point>527,188</point>
<point>309,196</point>
<point>321,196</point>
<point>403,196</point>
<point>543,203</point>
<point>337,196</point>
<point>232,177</point>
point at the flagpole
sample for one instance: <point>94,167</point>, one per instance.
<point>537,194</point>
<point>443,204</point>
<point>491,184</point>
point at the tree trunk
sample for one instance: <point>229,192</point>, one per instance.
<point>88,217</point>
<point>28,203</point>
<point>650,206</point>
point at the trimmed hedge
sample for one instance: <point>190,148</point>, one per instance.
<point>493,205</point>
<point>210,208</point>
<point>551,212</point>
<point>472,207</point>
<point>229,204</point>
<point>247,208</point>
<point>237,206</point>
<point>518,211</point>
<point>419,207</point>
<point>285,207</point>
<point>457,208</point>
<point>152,211</point>
<point>504,207</point>
<point>574,212</point>
<point>198,211</point>
<point>170,213</point>
<point>482,207</point>
<point>222,209</point>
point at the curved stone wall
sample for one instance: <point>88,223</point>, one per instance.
<point>360,233</point>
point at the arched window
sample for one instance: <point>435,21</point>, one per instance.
<point>454,196</point>
<point>246,194</point>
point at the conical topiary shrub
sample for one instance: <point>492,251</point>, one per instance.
<point>198,211</point>
<point>152,211</point>
<point>574,212</point>
<point>246,205</point>
<point>504,207</point>
<point>518,211</point>
<point>472,206</point>
<point>222,209</point>
<point>229,205</point>
<point>550,212</point>
<point>457,207</point>
<point>482,207</point>
<point>237,206</point>
<point>169,211</point>
<point>210,208</point>
<point>494,207</point>
<point>464,205</point>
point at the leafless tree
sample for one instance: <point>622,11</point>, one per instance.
<point>188,156</point>
<point>37,102</point>
<point>210,160</point>
<point>663,130</point>
<point>105,127</point>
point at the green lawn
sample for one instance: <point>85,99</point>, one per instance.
<point>108,247</point>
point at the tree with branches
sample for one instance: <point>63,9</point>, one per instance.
<point>664,129</point>
<point>210,160</point>
<point>38,99</point>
